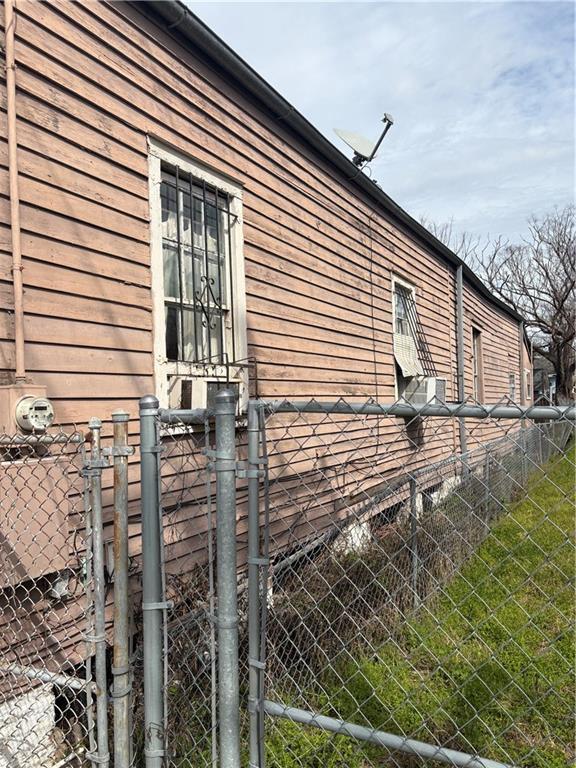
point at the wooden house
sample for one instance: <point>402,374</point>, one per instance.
<point>170,223</point>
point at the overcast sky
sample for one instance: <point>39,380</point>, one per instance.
<point>482,95</point>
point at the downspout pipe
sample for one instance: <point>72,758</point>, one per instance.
<point>460,352</point>
<point>521,334</point>
<point>10,29</point>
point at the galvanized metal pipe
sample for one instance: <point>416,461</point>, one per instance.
<point>552,413</point>
<point>89,616</point>
<point>53,678</point>
<point>121,667</point>
<point>152,593</point>
<point>381,738</point>
<point>414,541</point>
<point>226,570</point>
<point>24,440</point>
<point>254,581</point>
<point>181,416</point>
<point>13,176</point>
<point>99,637</point>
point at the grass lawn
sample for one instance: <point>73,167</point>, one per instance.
<point>487,668</point>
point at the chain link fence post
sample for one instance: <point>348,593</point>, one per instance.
<point>227,582</point>
<point>255,562</point>
<point>414,541</point>
<point>95,466</point>
<point>487,487</point>
<point>152,592</point>
<point>121,691</point>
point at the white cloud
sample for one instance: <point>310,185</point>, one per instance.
<point>482,95</point>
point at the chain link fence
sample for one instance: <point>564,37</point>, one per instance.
<point>331,585</point>
<point>43,600</point>
<point>416,601</point>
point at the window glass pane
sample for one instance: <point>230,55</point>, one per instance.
<point>402,297</point>
<point>189,353</point>
<point>169,217</point>
<point>198,223</point>
<point>224,254</point>
<point>171,276</point>
<point>185,218</point>
<point>199,271</point>
<point>201,326</point>
<point>187,276</point>
<point>172,332</point>
<point>216,267</point>
<point>211,228</point>
<point>215,331</point>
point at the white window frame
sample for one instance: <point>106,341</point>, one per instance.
<point>528,384</point>
<point>477,364</point>
<point>159,153</point>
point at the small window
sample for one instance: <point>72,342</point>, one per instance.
<point>512,386</point>
<point>527,384</point>
<point>477,383</point>
<point>403,299</point>
<point>198,281</point>
<point>405,320</point>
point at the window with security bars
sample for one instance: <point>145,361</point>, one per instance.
<point>196,248</point>
<point>198,283</point>
<point>407,355</point>
<point>403,297</point>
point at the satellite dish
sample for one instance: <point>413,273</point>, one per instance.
<point>364,149</point>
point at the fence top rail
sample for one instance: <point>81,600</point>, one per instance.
<point>176,416</point>
<point>496,411</point>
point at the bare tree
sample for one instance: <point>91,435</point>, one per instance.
<point>463,244</point>
<point>536,277</point>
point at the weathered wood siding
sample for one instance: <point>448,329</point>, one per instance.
<point>94,80</point>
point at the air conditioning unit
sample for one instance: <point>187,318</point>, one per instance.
<point>421,391</point>
<point>197,393</point>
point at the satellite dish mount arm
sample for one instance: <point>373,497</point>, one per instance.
<point>360,159</point>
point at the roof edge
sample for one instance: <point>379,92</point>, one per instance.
<point>176,15</point>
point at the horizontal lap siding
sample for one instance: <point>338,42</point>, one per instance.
<point>6,293</point>
<point>316,254</point>
<point>319,260</point>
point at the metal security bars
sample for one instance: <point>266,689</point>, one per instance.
<point>407,323</point>
<point>197,249</point>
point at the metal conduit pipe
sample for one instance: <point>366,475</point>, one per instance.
<point>55,678</point>
<point>10,29</point>
<point>551,413</point>
<point>383,739</point>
